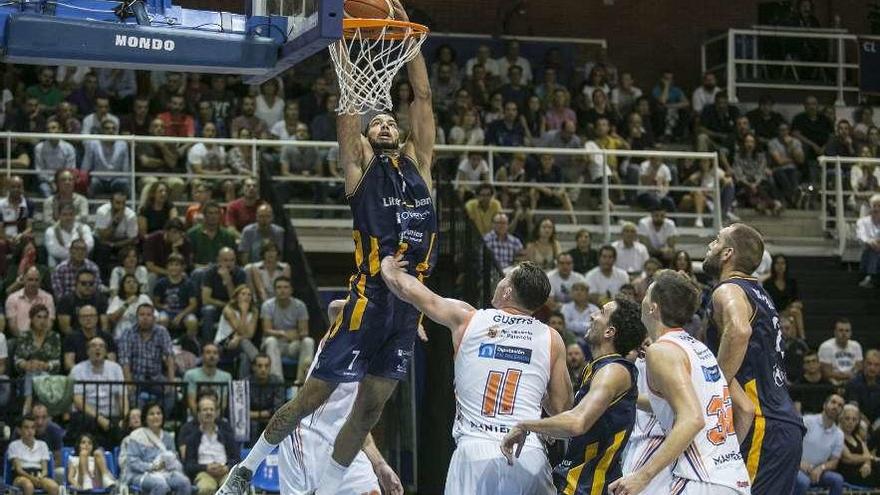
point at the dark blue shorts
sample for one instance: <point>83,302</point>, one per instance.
<point>772,452</point>
<point>374,334</point>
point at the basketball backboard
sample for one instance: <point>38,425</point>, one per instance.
<point>268,38</point>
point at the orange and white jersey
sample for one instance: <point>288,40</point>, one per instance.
<point>502,369</point>
<point>714,456</point>
<point>645,440</point>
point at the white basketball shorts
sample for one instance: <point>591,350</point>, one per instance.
<point>302,458</point>
<point>478,467</point>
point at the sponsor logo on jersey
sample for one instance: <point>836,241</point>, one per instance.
<point>778,376</point>
<point>728,457</point>
<point>489,428</point>
<point>712,373</point>
<point>492,332</point>
<point>389,201</point>
<point>505,353</point>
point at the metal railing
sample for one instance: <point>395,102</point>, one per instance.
<point>739,53</point>
<point>839,197</point>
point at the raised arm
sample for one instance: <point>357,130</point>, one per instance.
<point>450,313</point>
<point>354,149</point>
<point>733,318</point>
<point>421,109</point>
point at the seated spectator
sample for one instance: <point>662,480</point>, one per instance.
<point>795,348</point>
<point>266,393</point>
<point>87,467</point>
<point>597,78</point>
<point>64,183</point>
<point>572,166</point>
<point>559,110</point>
<point>658,234</point>
<point>823,446</point>
<point>209,237</point>
<point>468,132</point>
<point>155,209</point>
<point>482,209</point>
<point>841,143</point>
<point>868,233</point>
<point>255,234</point>
<point>812,128</point>
<point>20,302</point>
<point>122,310</point>
<point>754,184</point>
<point>199,379</point>
<point>247,120</point>
<point>46,91</point>
<point>240,157</point>
<point>599,165</point>
<point>515,89</point>
<point>209,159</point>
<point>177,299</point>
<point>86,292</point>
<point>17,214</point>
<point>285,128</point>
<point>781,287</point>
<point>5,384</point>
<point>858,465</point>
<point>29,458</point>
<point>704,178</point>
<point>562,279</point>
<point>606,279</point>
<point>75,346</point>
<point>138,121</point>
<point>211,451</point>
<point>52,155</point>
<point>299,161</point>
<point>600,108</point>
<point>444,84</point>
<point>543,249</point>
<point>804,387</point>
<point>584,256</point>
<point>37,352</point>
<point>515,171</point>
<point>106,157</point>
<point>473,168</point>
<point>116,228</point>
<point>557,322</point>
<point>261,275</point>
<point>625,95</point>
<point>493,112</point>
<point>509,130</point>
<point>145,353</point>
<point>237,329</point>
<point>66,117</point>
<point>716,123</point>
<point>576,362</point>
<point>505,246</point>
<point>656,175</point>
<point>91,124</point>
<point>243,211</point>
<point>98,407</point>
<point>579,311</point>
<point>219,282</point>
<point>160,245</point>
<point>705,94</point>
<point>841,357</point>
<point>150,459</point>
<point>864,388</point>
<point>62,233</point>
<point>550,195</point>
<point>202,192</point>
<point>864,179</point>
<point>764,120</point>
<point>631,254</point>
<point>285,325</point>
<point>643,282</point>
<point>129,266</point>
<point>160,157</point>
<point>672,106</point>
<point>178,123</point>
<point>786,158</point>
<point>65,274</point>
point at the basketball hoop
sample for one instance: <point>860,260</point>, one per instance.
<point>367,58</point>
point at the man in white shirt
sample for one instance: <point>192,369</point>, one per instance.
<point>631,254</point>
<point>116,226</point>
<point>92,122</point>
<point>562,278</point>
<point>655,174</point>
<point>28,456</point>
<point>868,233</point>
<point>823,446</point>
<point>658,234</point>
<point>51,155</point>
<point>510,58</point>
<point>59,236</point>
<point>484,57</point>
<point>705,94</point>
<point>606,279</point>
<point>98,407</point>
<point>17,212</point>
<point>579,311</point>
<point>840,356</point>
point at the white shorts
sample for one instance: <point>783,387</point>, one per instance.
<point>478,467</point>
<point>638,455</point>
<point>301,464</point>
<point>681,486</point>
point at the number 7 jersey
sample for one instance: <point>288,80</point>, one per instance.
<point>502,369</point>
<point>714,456</point>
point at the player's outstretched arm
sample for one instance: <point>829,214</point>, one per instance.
<point>733,316</point>
<point>388,479</point>
<point>670,377</point>
<point>451,313</point>
<point>354,149</point>
<point>608,384</point>
<point>559,396</point>
<point>421,109</point>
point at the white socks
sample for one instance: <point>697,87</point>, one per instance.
<point>258,453</point>
<point>331,478</point>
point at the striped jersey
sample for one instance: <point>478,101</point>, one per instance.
<point>646,437</point>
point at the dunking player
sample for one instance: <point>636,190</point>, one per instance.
<point>745,332</point>
<point>690,398</point>
<point>389,190</point>
<point>507,364</point>
<point>605,406</point>
<point>305,452</point>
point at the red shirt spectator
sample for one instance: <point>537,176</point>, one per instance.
<point>243,211</point>
<point>177,123</point>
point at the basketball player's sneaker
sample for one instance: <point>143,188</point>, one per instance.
<point>238,481</point>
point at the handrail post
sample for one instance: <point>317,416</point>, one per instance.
<point>703,58</point>
<point>606,199</point>
<point>823,194</point>
<point>717,213</point>
<point>841,53</point>
<point>8,154</point>
<point>731,66</point>
<point>254,157</point>
<point>133,173</point>
<point>841,226</point>
<point>491,167</point>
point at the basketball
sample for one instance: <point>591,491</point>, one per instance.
<point>368,9</point>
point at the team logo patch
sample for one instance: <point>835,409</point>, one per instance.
<point>492,332</point>
<point>711,374</point>
<point>505,353</point>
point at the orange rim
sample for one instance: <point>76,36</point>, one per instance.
<point>372,28</point>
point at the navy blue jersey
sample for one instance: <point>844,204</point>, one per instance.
<point>392,212</point>
<point>592,460</point>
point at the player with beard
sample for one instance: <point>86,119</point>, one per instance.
<point>746,335</point>
<point>388,188</point>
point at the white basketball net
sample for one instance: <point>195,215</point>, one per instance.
<point>366,61</point>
